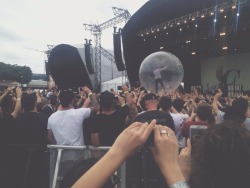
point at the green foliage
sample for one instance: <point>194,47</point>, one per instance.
<point>16,73</point>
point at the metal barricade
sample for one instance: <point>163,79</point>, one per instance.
<point>63,158</point>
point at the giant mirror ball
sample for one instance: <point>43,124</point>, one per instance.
<point>161,72</point>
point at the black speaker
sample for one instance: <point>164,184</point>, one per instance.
<point>88,58</point>
<point>118,52</point>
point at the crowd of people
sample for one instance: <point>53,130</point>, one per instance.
<point>127,122</point>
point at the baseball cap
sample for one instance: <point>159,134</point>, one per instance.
<point>150,96</point>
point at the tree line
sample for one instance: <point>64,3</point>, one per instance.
<point>21,74</point>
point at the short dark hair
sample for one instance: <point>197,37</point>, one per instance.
<point>28,101</point>
<point>221,157</point>
<point>165,103</point>
<point>66,97</point>
<point>7,104</point>
<point>178,104</point>
<point>204,111</point>
<point>241,105</point>
<point>107,99</point>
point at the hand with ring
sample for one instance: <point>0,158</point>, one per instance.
<point>166,153</point>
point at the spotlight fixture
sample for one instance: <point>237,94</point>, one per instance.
<point>202,16</point>
<point>180,29</point>
<point>161,47</point>
<point>193,19</point>
<point>188,41</point>
<point>222,34</point>
<point>211,13</point>
<point>224,48</point>
<point>141,35</point>
<point>193,53</point>
<point>185,21</point>
<point>155,37</point>
<point>234,7</point>
<point>238,14</point>
<point>215,20</point>
<point>225,16</point>
<point>221,10</point>
<point>165,27</point>
<point>158,30</point>
<point>196,25</point>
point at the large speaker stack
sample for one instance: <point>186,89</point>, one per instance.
<point>118,50</point>
<point>88,56</point>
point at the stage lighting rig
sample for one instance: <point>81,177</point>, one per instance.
<point>220,8</point>
<point>121,15</point>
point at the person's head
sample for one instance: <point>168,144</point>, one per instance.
<point>52,99</point>
<point>28,102</point>
<point>8,104</point>
<point>107,100</point>
<point>66,98</point>
<point>232,113</point>
<point>241,105</point>
<point>221,157</point>
<point>165,103</point>
<point>204,112</point>
<point>178,104</point>
<point>80,168</point>
<point>150,101</point>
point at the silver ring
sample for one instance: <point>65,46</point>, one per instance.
<point>165,132</point>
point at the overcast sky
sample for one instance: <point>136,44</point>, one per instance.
<point>27,26</point>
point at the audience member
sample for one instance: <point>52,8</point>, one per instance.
<point>110,122</point>
<point>65,125</point>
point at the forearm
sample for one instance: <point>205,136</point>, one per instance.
<point>103,169</point>
<point>172,175</point>
<point>215,105</point>
<point>94,102</point>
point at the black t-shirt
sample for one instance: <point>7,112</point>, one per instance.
<point>7,129</point>
<point>110,126</point>
<point>32,128</point>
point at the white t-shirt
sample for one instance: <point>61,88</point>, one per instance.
<point>178,120</point>
<point>66,126</point>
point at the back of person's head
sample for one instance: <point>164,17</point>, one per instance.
<point>80,168</point>
<point>53,99</point>
<point>107,99</point>
<point>7,104</point>
<point>241,105</point>
<point>165,103</point>
<point>204,112</point>
<point>232,113</point>
<point>28,101</point>
<point>221,157</point>
<point>197,100</point>
<point>150,99</point>
<point>66,97</point>
<point>178,104</point>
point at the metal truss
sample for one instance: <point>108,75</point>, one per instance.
<point>227,6</point>
<point>96,30</point>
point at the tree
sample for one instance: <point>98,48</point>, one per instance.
<point>21,74</point>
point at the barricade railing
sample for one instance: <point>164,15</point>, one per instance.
<point>63,158</point>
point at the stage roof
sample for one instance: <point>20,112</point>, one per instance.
<point>224,32</point>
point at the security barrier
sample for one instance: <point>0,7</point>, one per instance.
<point>63,158</point>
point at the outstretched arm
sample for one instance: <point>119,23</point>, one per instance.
<point>8,90</point>
<point>127,142</point>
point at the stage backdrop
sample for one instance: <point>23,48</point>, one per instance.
<point>235,69</point>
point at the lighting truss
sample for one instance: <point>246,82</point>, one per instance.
<point>224,7</point>
<point>96,30</point>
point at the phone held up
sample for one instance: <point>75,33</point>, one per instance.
<point>196,131</point>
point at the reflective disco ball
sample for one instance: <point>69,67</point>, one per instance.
<point>161,72</point>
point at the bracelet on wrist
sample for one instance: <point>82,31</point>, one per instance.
<point>90,94</point>
<point>179,184</point>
